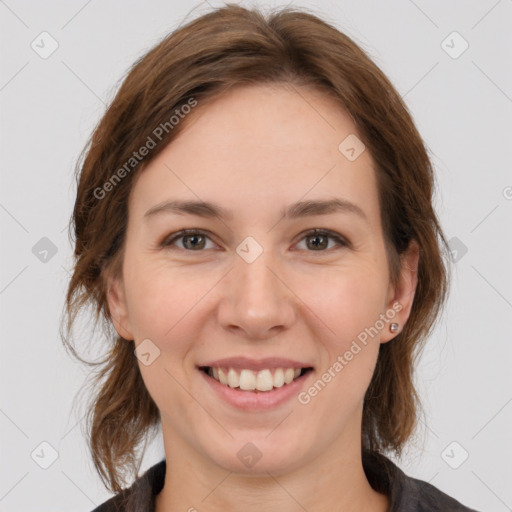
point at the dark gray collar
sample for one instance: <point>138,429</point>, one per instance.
<point>406,494</point>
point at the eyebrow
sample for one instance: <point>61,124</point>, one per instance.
<point>296,210</point>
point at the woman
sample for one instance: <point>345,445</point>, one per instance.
<point>254,217</point>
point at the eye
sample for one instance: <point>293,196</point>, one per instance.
<point>320,239</point>
<point>196,240</point>
<point>192,239</point>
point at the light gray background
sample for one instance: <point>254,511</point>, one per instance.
<point>462,107</point>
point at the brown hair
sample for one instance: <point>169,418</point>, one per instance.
<point>225,48</point>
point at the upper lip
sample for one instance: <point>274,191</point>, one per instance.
<point>241,363</point>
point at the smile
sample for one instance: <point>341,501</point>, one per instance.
<point>248,380</point>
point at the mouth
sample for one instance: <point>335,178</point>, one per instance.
<point>262,381</point>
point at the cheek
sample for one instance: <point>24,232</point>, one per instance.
<point>162,300</point>
<point>346,300</point>
<point>350,334</point>
<point>340,300</point>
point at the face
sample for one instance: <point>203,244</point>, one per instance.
<point>252,288</point>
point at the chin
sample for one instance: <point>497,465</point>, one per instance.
<point>259,455</point>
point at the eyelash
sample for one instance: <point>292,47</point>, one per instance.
<point>168,242</point>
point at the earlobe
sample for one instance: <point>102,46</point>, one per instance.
<point>116,300</point>
<point>402,293</point>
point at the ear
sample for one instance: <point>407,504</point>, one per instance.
<point>401,295</point>
<point>116,299</point>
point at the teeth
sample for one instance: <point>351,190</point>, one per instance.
<point>264,380</point>
<point>233,379</point>
<point>248,380</point>
<point>223,378</point>
<point>278,378</point>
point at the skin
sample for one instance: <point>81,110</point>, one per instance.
<point>254,151</point>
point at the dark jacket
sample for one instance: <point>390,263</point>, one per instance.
<point>406,494</point>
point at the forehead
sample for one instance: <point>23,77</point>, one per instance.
<point>260,145</point>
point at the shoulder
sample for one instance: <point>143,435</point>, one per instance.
<point>407,494</point>
<point>140,495</point>
<point>424,497</point>
<point>114,504</point>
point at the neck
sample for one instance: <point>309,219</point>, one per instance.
<point>334,480</point>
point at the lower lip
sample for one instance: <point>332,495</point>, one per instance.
<point>257,400</point>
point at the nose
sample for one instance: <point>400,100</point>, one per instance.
<point>257,303</point>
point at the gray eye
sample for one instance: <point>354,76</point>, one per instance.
<point>318,241</point>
